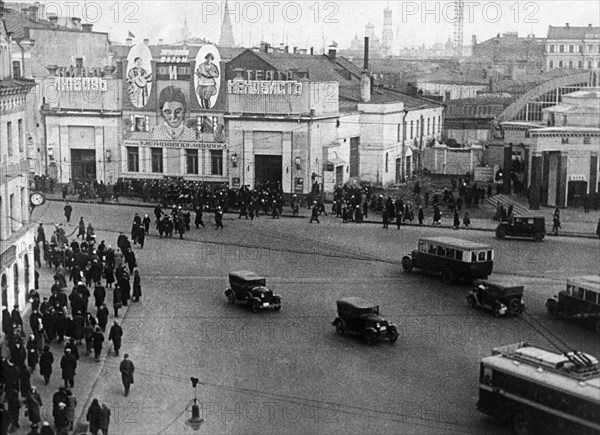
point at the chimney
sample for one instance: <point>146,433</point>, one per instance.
<point>567,24</point>
<point>295,50</point>
<point>312,51</point>
<point>366,55</point>
<point>87,27</point>
<point>76,23</point>
<point>146,41</point>
<point>365,87</point>
<point>129,41</point>
<point>53,20</point>
<point>160,41</point>
<point>287,48</point>
<point>590,26</point>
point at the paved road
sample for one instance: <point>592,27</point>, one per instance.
<point>288,371</point>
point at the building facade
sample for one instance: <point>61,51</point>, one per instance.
<point>16,231</point>
<point>574,48</point>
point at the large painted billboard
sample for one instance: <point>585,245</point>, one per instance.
<point>207,76</point>
<point>139,75</point>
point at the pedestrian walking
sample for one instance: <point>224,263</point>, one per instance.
<point>105,419</point>
<point>81,229</point>
<point>467,220</point>
<point>46,429</point>
<point>314,215</point>
<point>146,223</point>
<point>115,334</point>
<point>14,410</point>
<point>199,214</point>
<point>399,216</point>
<point>385,217</point>
<point>46,361</point>
<point>219,217</point>
<point>421,216</point>
<point>33,405</point>
<point>102,316</point>
<point>68,365</point>
<point>117,304</point>
<point>33,355</point>
<point>137,286</point>
<point>126,368</point>
<point>68,211</point>
<point>556,221</point>
<point>94,417</point>
<point>141,234</point>
<point>98,339</point>
<point>61,419</point>
<point>456,220</point>
<point>71,405</point>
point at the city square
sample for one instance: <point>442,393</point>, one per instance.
<point>244,217</point>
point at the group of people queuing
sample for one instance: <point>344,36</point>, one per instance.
<point>64,322</point>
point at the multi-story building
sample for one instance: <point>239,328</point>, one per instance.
<point>574,48</point>
<point>16,231</point>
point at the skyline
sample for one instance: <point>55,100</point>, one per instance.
<point>317,24</point>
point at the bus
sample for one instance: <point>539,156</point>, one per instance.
<point>580,301</point>
<point>452,258</point>
<point>541,392</point>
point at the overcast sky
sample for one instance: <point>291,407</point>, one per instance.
<point>317,23</point>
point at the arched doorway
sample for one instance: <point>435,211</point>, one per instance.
<point>26,265</point>
<point>4,285</point>
<point>16,282</point>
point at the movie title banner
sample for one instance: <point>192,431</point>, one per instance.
<point>264,87</point>
<point>74,84</point>
<point>175,144</point>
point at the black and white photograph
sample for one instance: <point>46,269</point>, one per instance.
<point>292,217</point>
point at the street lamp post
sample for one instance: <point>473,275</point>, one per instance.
<point>195,421</point>
<point>404,145</point>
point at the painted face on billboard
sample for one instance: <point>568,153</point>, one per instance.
<point>139,75</point>
<point>173,113</point>
<point>173,108</point>
<point>207,76</point>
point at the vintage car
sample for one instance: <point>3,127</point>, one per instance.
<point>523,226</point>
<point>249,288</point>
<point>451,258</point>
<point>501,299</point>
<point>359,317</point>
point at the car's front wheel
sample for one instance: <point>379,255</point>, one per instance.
<point>277,304</point>
<point>407,264</point>
<point>448,276</point>
<point>370,338</point>
<point>538,237</point>
<point>552,307</point>
<point>500,233</point>
<point>230,297</point>
<point>393,336</point>
<point>254,307</point>
<point>471,301</point>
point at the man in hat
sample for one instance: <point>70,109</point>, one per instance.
<point>68,364</point>
<point>315,213</point>
<point>115,334</point>
<point>15,316</point>
<point>61,419</point>
<point>46,361</point>
<point>68,210</point>
<point>219,217</point>
<point>126,368</point>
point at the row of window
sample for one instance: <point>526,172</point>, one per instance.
<point>571,64</point>
<point>430,129</point>
<point>9,136</point>
<point>571,48</point>
<point>204,124</point>
<point>191,159</point>
<point>455,254</point>
<point>4,285</point>
<point>584,294</point>
<point>12,220</point>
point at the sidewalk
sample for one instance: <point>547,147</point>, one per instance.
<point>575,223</point>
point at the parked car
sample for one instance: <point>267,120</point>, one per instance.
<point>452,258</point>
<point>501,299</point>
<point>250,288</point>
<point>357,316</point>
<point>523,226</point>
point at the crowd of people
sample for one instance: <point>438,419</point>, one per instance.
<point>67,325</point>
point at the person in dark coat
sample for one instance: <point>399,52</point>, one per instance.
<point>88,333</point>
<point>105,419</point>
<point>199,212</point>
<point>137,286</point>
<point>421,216</point>
<point>102,316</point>
<point>94,417</point>
<point>314,214</point>
<point>99,294</point>
<point>73,347</point>
<point>61,419</point>
<point>78,324</point>
<point>219,218</point>
<point>46,361</point>
<point>68,365</point>
<point>18,354</point>
<point>115,335</point>
<point>33,403</point>
<point>467,220</point>
<point>456,220</point>
<point>117,304</point>
<point>131,261</point>
<point>59,397</point>
<point>81,232</point>
<point>10,373</point>
<point>24,381</point>
<point>146,223</point>
<point>98,339</point>
<point>126,368</point>
<point>386,217</point>
<point>141,236</point>
<point>15,316</point>
<point>6,322</point>
<point>68,211</point>
<point>109,275</point>
<point>32,353</point>
<point>14,410</point>
<point>180,225</point>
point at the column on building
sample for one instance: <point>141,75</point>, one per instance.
<point>593,186</point>
<point>535,188</point>
<point>561,181</point>
<point>507,185</point>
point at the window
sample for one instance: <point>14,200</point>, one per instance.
<point>481,256</point>
<point>387,161</point>
<point>428,126</point>
<point>20,132</point>
<point>433,125</point>
<point>441,251</point>
<point>157,160</point>
<point>473,257</point>
<point>417,132</point>
<point>16,68</point>
<point>564,141</point>
<point>432,249</point>
<point>191,160</point>
<point>551,64</point>
<point>571,49</point>
<point>139,123</point>
<point>439,123</point>
<point>450,253</point>
<point>79,62</point>
<point>551,48</point>
<point>587,140</point>
<point>458,255</point>
<point>589,64</point>
<point>590,48</point>
<point>399,133</point>
<point>561,48</point>
<point>411,129</point>
<point>570,64</point>
<point>133,159</point>
<point>9,138</point>
<point>490,255</point>
<point>560,63</point>
<point>581,49</point>
<point>216,162</point>
<point>354,156</point>
<point>580,64</point>
<point>580,292</point>
<point>423,247</point>
<point>591,296</point>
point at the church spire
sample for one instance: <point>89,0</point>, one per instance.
<point>185,32</point>
<point>226,39</point>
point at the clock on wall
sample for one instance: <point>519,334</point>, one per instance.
<point>37,198</point>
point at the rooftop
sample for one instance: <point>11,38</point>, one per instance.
<point>568,32</point>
